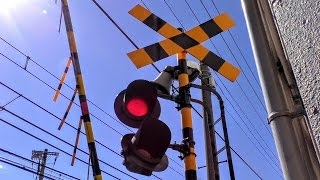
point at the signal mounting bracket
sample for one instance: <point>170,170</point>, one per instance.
<point>183,148</point>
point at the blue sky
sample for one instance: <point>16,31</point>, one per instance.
<point>32,27</point>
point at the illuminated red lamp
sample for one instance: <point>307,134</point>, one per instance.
<point>136,103</point>
<point>137,107</point>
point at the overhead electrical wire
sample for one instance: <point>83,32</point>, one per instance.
<point>59,149</point>
<point>129,39</point>
<point>245,162</point>
<point>273,162</point>
<point>60,139</point>
<point>220,55</point>
<point>60,93</point>
<point>238,47</point>
<point>69,98</point>
<point>43,68</point>
<point>252,125</point>
<point>50,73</point>
<point>31,161</point>
<point>237,82</point>
<point>239,67</point>
<point>236,59</point>
<point>226,88</point>
<point>23,167</point>
<point>132,41</point>
<point>53,115</point>
<point>50,113</point>
<point>240,86</point>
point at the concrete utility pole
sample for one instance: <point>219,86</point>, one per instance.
<point>210,139</point>
<point>41,157</point>
<point>43,164</point>
<point>285,109</point>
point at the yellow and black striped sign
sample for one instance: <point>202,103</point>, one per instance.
<point>178,41</point>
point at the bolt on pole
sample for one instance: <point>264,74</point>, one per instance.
<point>81,92</point>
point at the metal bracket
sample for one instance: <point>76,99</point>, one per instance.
<point>274,115</point>
<point>183,148</point>
<point>295,114</point>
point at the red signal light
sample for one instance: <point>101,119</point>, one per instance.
<point>137,103</point>
<point>137,107</point>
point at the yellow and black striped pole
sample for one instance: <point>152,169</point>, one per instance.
<point>81,92</point>
<point>186,116</point>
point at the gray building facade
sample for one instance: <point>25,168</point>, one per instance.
<point>299,27</point>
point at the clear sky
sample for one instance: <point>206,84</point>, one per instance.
<point>32,27</point>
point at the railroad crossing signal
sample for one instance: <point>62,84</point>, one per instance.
<point>178,41</point>
<point>137,106</point>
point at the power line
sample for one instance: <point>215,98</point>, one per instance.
<point>43,68</point>
<point>128,38</point>
<point>120,29</point>
<point>238,65</point>
<point>64,141</point>
<point>250,124</point>
<point>50,144</point>
<point>247,164</point>
<point>217,50</point>
<point>50,113</point>
<point>54,90</point>
<point>240,68</point>
<point>22,167</point>
<point>245,78</point>
<point>73,102</point>
<point>241,53</point>
<point>236,59</point>
<point>31,161</point>
<point>226,88</point>
<point>53,115</point>
<point>236,82</point>
<point>255,139</point>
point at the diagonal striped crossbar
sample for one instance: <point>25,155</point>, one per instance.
<point>178,41</point>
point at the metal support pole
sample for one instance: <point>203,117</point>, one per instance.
<point>293,162</point>
<point>301,123</point>
<point>184,95</point>
<point>226,136</point>
<point>81,92</point>
<point>224,127</point>
<point>43,164</point>
<point>210,139</point>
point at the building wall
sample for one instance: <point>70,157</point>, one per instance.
<point>299,25</point>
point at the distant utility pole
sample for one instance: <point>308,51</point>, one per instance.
<point>41,157</point>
